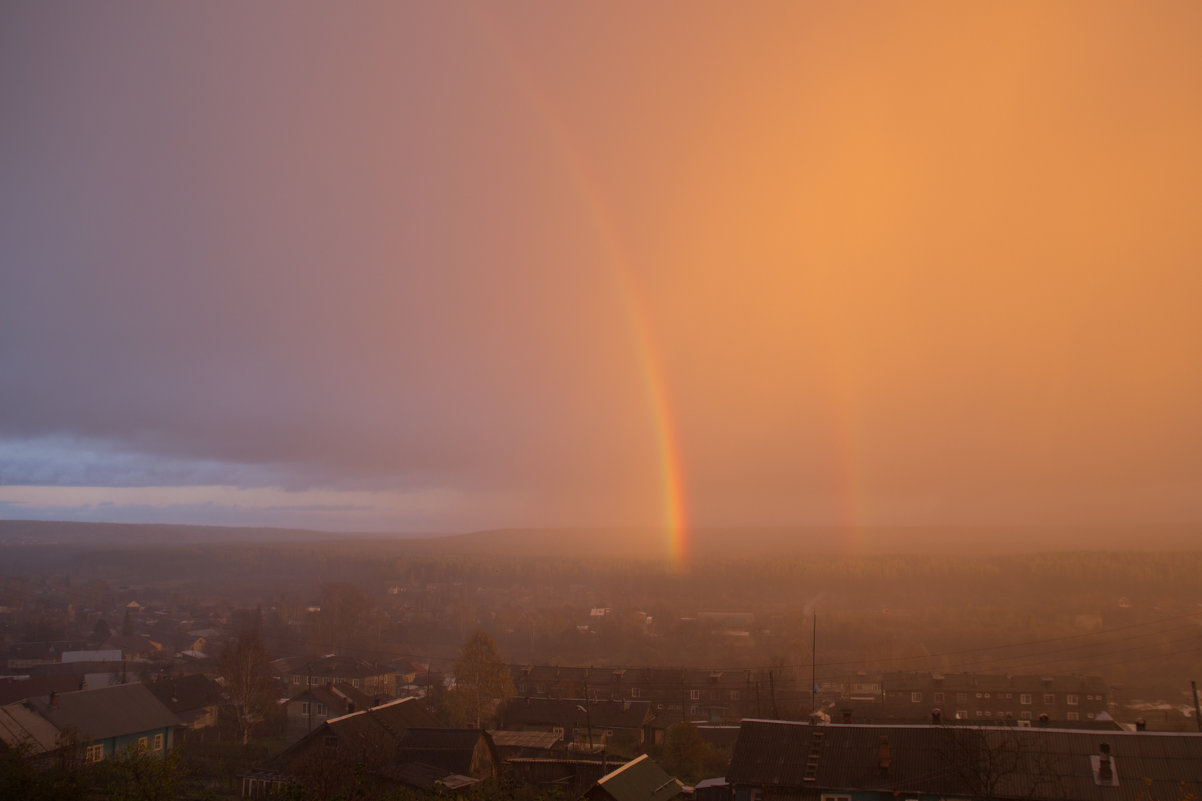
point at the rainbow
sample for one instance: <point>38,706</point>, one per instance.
<point>647,350</point>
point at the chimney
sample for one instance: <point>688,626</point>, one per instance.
<point>1105,771</point>
<point>885,756</point>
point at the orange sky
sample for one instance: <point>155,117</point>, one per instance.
<point>885,262</point>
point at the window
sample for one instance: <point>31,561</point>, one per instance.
<point>734,695</point>
<point>988,713</point>
<point>557,731</point>
<point>978,695</point>
<point>1074,716</point>
<point>986,695</point>
<point>304,707</point>
<point>826,797</point>
<point>694,709</point>
<point>634,692</point>
<point>916,698</point>
<point>1072,699</point>
<point>142,745</point>
<point>296,678</point>
<point>94,753</point>
<point>158,742</point>
<point>962,698</point>
<point>980,713</point>
<point>1024,715</point>
<point>694,695</point>
<point>321,709</point>
<point>1049,698</point>
<point>355,683</point>
<point>939,698</point>
<point>961,714</point>
<point>1025,698</point>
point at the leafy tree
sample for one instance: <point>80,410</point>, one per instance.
<point>245,667</point>
<point>481,682</point>
<point>134,775</point>
<point>686,756</point>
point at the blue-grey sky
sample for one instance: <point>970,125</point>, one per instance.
<point>411,266</point>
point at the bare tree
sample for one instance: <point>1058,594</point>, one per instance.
<point>244,666</point>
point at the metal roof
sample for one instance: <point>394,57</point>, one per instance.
<point>1000,762</point>
<point>639,780</point>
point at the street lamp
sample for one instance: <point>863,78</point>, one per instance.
<point>588,721</point>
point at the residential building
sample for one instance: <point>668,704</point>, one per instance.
<point>312,706</point>
<point>984,699</point>
<point>105,721</point>
<point>376,681</point>
<point>585,723</point>
<point>780,759</point>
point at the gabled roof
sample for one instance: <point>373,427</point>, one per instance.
<point>186,693</point>
<point>567,712</point>
<point>106,712</point>
<point>1002,762</point>
<point>639,780</point>
<point>337,697</point>
<point>449,749</point>
<point>376,729</point>
<point>16,689</point>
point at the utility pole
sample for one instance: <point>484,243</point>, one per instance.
<point>683,704</point>
<point>814,665</point>
<point>588,715</point>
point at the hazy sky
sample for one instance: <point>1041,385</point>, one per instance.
<point>437,266</point>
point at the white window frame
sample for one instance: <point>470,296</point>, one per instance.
<point>94,753</point>
<point>158,742</point>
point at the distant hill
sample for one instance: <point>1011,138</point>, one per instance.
<point>702,543</point>
<point>706,543</point>
<point>43,532</point>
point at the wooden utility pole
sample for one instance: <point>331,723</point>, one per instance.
<point>1197,713</point>
<point>814,665</point>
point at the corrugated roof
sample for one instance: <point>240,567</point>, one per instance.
<point>21,726</point>
<point>1051,764</point>
<point>525,739</point>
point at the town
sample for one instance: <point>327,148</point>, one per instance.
<point>443,672</point>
